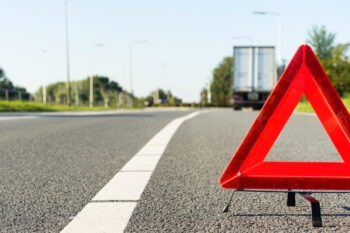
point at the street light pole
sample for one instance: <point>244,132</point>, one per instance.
<point>130,71</point>
<point>67,53</point>
<point>279,39</point>
<point>91,91</point>
<point>44,76</point>
<point>209,91</point>
<point>91,99</point>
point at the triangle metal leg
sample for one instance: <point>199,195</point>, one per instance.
<point>225,210</point>
<point>315,209</point>
<point>291,199</point>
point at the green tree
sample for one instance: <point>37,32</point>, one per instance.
<point>9,91</point>
<point>322,42</point>
<point>2,73</point>
<point>333,57</point>
<point>5,83</point>
<point>162,95</point>
<point>204,96</point>
<point>221,86</point>
<point>340,71</point>
<point>106,92</point>
<point>165,97</point>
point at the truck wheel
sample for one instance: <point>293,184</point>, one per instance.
<point>257,107</point>
<point>237,107</point>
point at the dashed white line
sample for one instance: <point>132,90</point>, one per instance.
<point>102,217</point>
<point>111,208</point>
<point>142,162</point>
<point>152,150</point>
<point>124,186</point>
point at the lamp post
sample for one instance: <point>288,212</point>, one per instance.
<point>209,91</point>
<point>67,53</point>
<point>279,39</point>
<point>44,76</point>
<point>92,79</point>
<point>131,60</point>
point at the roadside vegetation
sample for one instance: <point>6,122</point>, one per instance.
<point>20,106</point>
<point>305,106</point>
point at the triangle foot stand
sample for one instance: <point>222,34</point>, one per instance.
<point>227,206</point>
<point>315,206</point>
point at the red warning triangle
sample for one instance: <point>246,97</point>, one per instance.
<point>247,169</point>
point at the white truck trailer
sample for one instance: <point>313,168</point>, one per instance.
<point>254,75</point>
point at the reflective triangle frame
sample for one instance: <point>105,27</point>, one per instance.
<point>247,170</point>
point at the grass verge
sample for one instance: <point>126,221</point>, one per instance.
<point>18,106</point>
<point>305,106</point>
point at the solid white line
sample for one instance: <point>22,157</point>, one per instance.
<point>5,118</point>
<point>127,185</point>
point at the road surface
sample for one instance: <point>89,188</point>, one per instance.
<point>53,166</point>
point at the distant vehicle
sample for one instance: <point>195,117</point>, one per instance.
<point>254,77</point>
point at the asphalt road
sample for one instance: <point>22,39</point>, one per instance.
<point>184,195</point>
<point>51,166</point>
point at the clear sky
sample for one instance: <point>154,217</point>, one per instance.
<point>186,39</point>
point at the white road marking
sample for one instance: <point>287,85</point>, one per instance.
<point>152,149</point>
<point>102,217</point>
<point>111,208</point>
<point>158,142</point>
<point>142,163</point>
<point>7,118</point>
<point>124,186</point>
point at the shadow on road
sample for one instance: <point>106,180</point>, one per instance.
<point>283,215</point>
